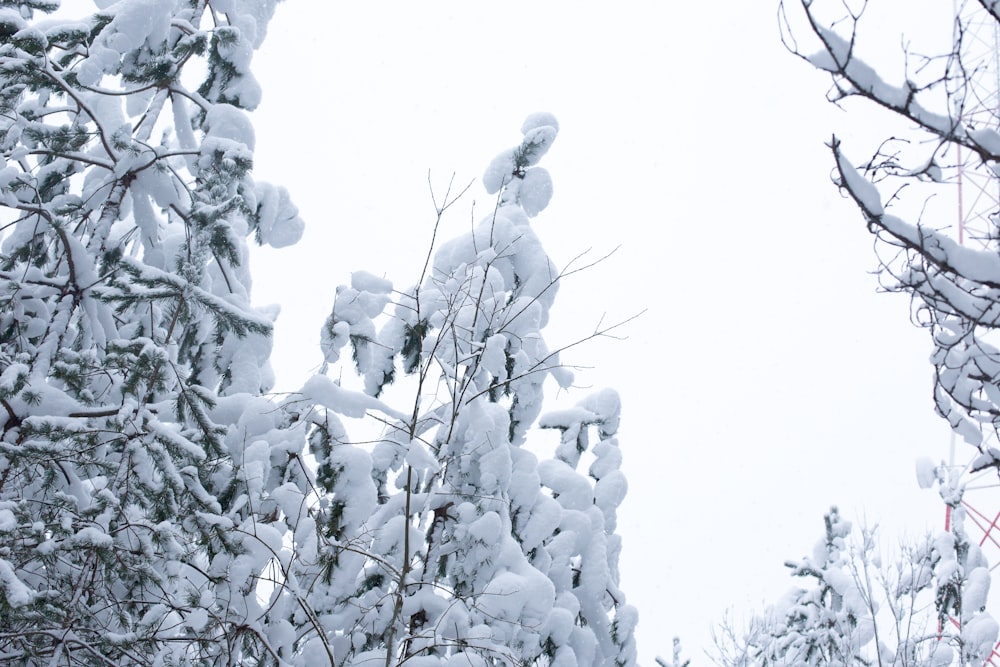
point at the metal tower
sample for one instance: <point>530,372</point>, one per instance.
<point>975,95</point>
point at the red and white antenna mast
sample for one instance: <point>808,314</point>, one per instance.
<point>976,102</point>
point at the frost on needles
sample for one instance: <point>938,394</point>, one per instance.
<point>157,505</point>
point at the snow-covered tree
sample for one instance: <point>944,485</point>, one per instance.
<point>448,541</point>
<point>922,607</point>
<point>908,192</point>
<point>157,506</point>
<point>955,287</point>
<point>130,358</point>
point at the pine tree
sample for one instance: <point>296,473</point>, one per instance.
<point>129,354</point>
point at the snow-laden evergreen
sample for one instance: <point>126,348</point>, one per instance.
<point>157,506</point>
<point>448,542</point>
<point>131,362</point>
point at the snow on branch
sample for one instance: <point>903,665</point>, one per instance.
<point>955,286</point>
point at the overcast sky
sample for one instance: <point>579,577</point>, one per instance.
<point>766,380</point>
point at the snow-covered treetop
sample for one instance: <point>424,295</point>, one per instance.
<point>517,559</point>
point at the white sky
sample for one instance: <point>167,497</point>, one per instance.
<point>766,381</point>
